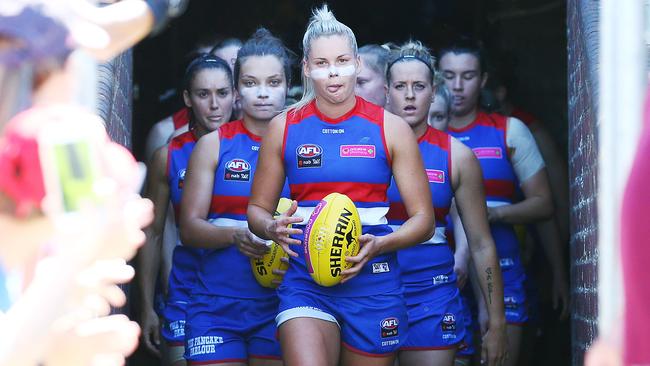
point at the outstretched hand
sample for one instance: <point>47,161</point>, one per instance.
<point>279,231</point>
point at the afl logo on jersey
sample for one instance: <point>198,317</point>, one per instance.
<point>181,178</point>
<point>309,156</point>
<point>238,170</point>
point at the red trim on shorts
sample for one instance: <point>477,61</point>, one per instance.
<point>277,358</point>
<point>176,344</point>
<point>217,361</point>
<point>360,352</point>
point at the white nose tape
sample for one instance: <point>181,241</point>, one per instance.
<point>262,91</point>
<point>325,73</point>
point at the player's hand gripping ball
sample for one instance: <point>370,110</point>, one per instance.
<point>272,260</point>
<point>332,235</point>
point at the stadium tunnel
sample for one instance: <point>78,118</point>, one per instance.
<point>528,37</point>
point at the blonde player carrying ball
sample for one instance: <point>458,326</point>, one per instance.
<point>354,148</point>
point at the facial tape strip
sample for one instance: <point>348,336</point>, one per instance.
<point>324,73</point>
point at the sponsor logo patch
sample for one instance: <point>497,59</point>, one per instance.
<point>436,176</point>
<point>177,328</point>
<point>181,178</point>
<point>448,323</point>
<point>510,302</point>
<point>506,262</point>
<point>381,267</point>
<point>203,345</point>
<point>237,170</point>
<point>440,279</point>
<point>358,151</point>
<point>389,327</point>
<point>488,152</point>
<point>391,342</point>
<point>333,131</point>
<point>309,156</point>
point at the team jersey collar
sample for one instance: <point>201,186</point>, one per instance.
<point>342,118</point>
<point>248,133</point>
<point>480,115</point>
<point>425,134</point>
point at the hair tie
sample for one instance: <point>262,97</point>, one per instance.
<point>410,57</point>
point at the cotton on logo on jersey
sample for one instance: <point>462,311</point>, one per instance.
<point>389,327</point>
<point>488,152</point>
<point>238,170</point>
<point>309,156</point>
<point>358,151</point>
<point>436,176</point>
<point>181,178</point>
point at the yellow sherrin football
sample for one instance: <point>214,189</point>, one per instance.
<point>331,235</point>
<point>263,268</point>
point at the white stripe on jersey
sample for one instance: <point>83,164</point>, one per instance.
<point>368,216</point>
<point>226,222</point>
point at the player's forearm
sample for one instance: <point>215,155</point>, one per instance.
<point>199,233</point>
<point>532,209</point>
<point>258,220</point>
<point>487,275</point>
<point>149,264</point>
<point>417,229</point>
<point>552,246</point>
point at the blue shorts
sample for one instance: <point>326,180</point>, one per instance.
<point>223,329</point>
<point>374,325</point>
<point>514,302</point>
<point>467,348</point>
<point>173,329</point>
<point>435,325</point>
<point>515,309</point>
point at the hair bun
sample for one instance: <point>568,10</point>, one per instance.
<point>262,33</point>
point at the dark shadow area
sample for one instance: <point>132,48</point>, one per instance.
<point>526,37</point>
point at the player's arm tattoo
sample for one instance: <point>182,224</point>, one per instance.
<point>490,285</point>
